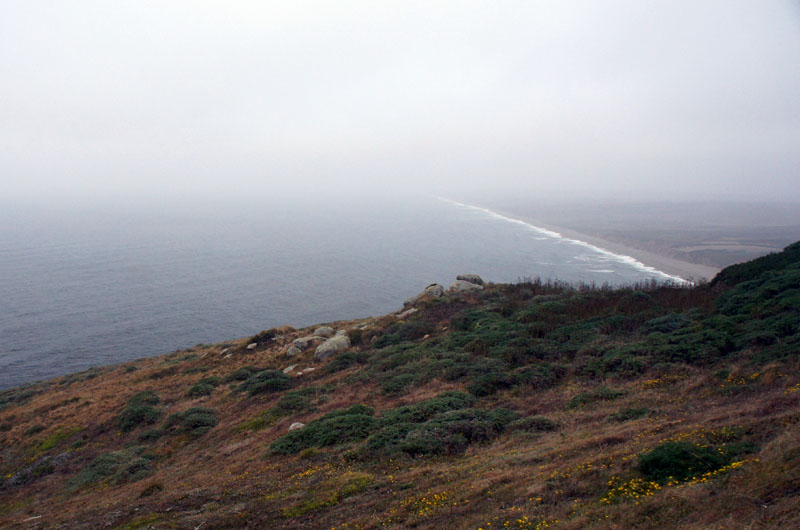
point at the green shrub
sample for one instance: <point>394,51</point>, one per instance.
<point>631,413</point>
<point>36,429</point>
<point>340,426</point>
<point>195,421</point>
<point>403,332</point>
<point>127,465</point>
<point>680,461</point>
<point>534,424</point>
<point>204,387</point>
<point>452,432</point>
<point>140,410</point>
<point>242,374</point>
<point>488,384</point>
<point>266,381</point>
<point>601,393</point>
<point>263,337</point>
<point>346,360</point>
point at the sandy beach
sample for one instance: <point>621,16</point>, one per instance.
<point>667,264</point>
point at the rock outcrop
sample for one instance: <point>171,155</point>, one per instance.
<point>471,278</point>
<point>460,286</point>
<point>324,331</point>
<point>434,290</point>
<point>331,347</point>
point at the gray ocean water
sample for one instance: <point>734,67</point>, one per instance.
<point>84,287</point>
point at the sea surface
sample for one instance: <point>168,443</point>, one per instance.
<point>83,287</point>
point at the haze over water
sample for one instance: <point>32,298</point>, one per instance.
<point>102,287</point>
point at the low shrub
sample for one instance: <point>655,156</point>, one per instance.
<point>340,426</point>
<point>533,424</point>
<point>680,461</point>
<point>204,387</point>
<point>601,393</point>
<point>266,381</point>
<point>127,465</point>
<point>195,421</point>
<point>631,413</point>
<point>242,374</point>
<point>140,410</point>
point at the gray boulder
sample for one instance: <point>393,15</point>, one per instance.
<point>471,278</point>
<point>293,350</point>
<point>308,340</point>
<point>434,290</point>
<point>331,347</point>
<point>252,346</point>
<point>296,425</point>
<point>324,331</point>
<point>461,286</point>
<point>407,313</point>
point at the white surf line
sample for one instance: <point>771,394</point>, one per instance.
<point>622,258</point>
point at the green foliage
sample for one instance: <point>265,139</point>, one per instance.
<point>242,374</point>
<point>631,413</point>
<point>452,432</point>
<point>263,337</point>
<point>404,331</point>
<point>340,426</point>
<point>195,421</point>
<point>742,272</point>
<point>680,461</point>
<point>534,424</point>
<point>266,381</point>
<point>36,429</point>
<point>127,465</point>
<point>140,410</point>
<point>601,393</point>
<point>16,396</point>
<point>346,360</point>
<point>204,387</point>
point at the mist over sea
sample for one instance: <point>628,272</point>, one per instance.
<point>85,287</point>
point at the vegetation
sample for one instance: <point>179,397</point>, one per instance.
<point>526,405</point>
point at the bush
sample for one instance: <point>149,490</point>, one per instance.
<point>337,427</point>
<point>404,332</point>
<point>534,424</point>
<point>266,381</point>
<point>128,465</point>
<point>195,421</point>
<point>631,414</point>
<point>452,432</point>
<point>242,374</point>
<point>140,410</point>
<point>204,387</point>
<point>601,393</point>
<point>680,461</point>
<point>491,383</point>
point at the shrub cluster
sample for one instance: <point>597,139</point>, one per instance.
<point>140,410</point>
<point>195,421</point>
<point>266,381</point>
<point>127,465</point>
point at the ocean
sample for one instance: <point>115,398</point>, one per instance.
<point>84,287</point>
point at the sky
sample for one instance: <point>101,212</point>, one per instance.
<point>624,99</point>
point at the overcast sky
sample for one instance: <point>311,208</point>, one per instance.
<point>638,99</point>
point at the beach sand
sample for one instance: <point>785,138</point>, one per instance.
<point>683,269</point>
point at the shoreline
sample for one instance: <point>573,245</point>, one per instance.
<point>674,267</point>
<point>667,265</point>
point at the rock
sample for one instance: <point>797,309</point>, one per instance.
<point>331,347</point>
<point>293,350</point>
<point>296,425</point>
<point>252,346</point>
<point>307,370</point>
<point>223,352</point>
<point>305,342</point>
<point>407,313</point>
<point>434,290</point>
<point>341,332</point>
<point>324,331</point>
<point>289,369</point>
<point>471,278</point>
<point>460,286</point>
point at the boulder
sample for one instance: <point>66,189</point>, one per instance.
<point>252,346</point>
<point>331,347</point>
<point>289,369</point>
<point>308,340</point>
<point>293,350</point>
<point>471,278</point>
<point>296,425</point>
<point>460,286</point>
<point>324,331</point>
<point>407,313</point>
<point>434,290</point>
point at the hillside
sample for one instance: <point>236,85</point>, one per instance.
<point>527,405</point>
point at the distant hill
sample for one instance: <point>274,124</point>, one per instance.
<point>527,405</point>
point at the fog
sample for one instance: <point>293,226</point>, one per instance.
<point>616,99</point>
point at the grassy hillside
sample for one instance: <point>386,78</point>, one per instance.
<point>532,405</point>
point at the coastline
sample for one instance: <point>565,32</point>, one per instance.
<point>668,266</point>
<point>674,267</point>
